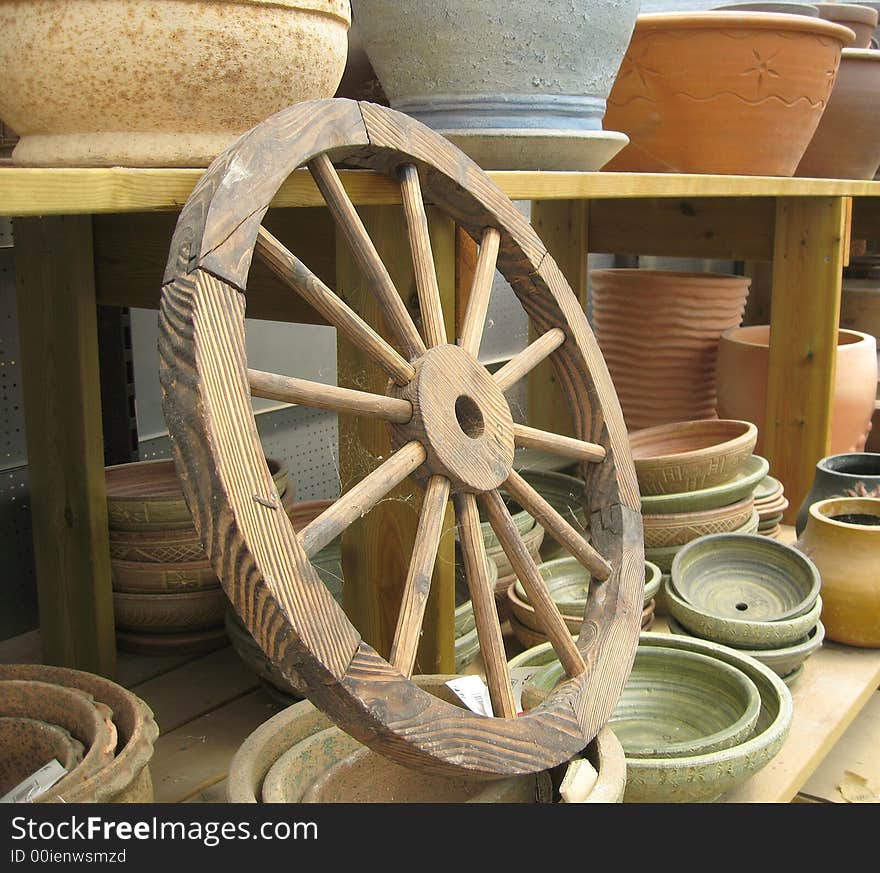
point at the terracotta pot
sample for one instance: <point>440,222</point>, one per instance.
<point>169,613</point>
<point>786,8</point>
<point>723,92</point>
<point>682,527</point>
<point>848,475</point>
<point>846,144</point>
<point>691,455</point>
<point>164,83</point>
<point>185,643</point>
<point>842,538</point>
<point>511,94</point>
<point>743,355</point>
<point>126,779</point>
<point>861,19</point>
<point>135,577</point>
<point>679,317</point>
<point>27,744</point>
<point>860,304</point>
<point>87,720</point>
<point>146,495</point>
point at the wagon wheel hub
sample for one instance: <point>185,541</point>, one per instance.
<point>461,419</point>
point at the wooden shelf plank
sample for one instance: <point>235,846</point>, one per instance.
<point>28,191</point>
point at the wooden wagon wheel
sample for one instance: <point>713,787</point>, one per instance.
<point>451,426</point>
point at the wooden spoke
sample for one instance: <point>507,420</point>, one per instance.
<point>568,447</point>
<point>557,526</point>
<point>360,499</point>
<point>422,256</point>
<point>529,358</point>
<point>478,302</point>
<point>539,596</point>
<point>418,580</point>
<point>272,386</point>
<point>294,273</point>
<point>473,552</point>
<point>349,222</point>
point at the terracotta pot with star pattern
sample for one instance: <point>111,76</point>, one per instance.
<point>723,92</point>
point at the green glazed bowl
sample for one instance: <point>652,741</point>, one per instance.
<point>734,576</point>
<point>783,662</point>
<point>675,703</point>
<point>740,633</point>
<point>732,491</point>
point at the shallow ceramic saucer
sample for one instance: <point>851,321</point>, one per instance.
<point>768,488</point>
<point>741,485</point>
<point>739,633</point>
<point>735,576</point>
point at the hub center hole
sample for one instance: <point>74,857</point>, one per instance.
<point>469,417</point>
<point>742,607</point>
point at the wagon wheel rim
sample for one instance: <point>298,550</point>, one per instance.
<point>456,435</point>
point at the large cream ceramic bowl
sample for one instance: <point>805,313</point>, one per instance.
<point>159,83</point>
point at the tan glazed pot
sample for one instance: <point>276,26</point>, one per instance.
<point>846,144</point>
<point>842,538</point>
<point>723,92</point>
<point>658,331</point>
<point>743,356</point>
<point>159,83</point>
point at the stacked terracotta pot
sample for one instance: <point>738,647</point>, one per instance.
<point>770,504</point>
<point>166,596</point>
<point>99,736</point>
<point>659,331</point>
<point>695,478</point>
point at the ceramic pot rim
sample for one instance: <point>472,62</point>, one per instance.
<point>332,8</point>
<point>712,20</point>
<point>860,54</point>
<point>678,275</point>
<point>748,431</point>
<point>857,12</point>
<point>823,465</point>
<point>852,504</point>
<point>851,338</point>
<point>812,642</point>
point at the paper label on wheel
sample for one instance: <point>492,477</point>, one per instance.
<point>473,693</point>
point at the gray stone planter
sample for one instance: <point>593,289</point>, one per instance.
<point>514,85</point>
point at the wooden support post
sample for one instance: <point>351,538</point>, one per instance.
<point>562,226</point>
<point>376,550</point>
<point>57,316</point>
<point>808,263</point>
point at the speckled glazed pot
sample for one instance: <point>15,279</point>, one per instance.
<point>126,779</point>
<point>854,474</point>
<point>679,317</point>
<point>743,355</point>
<point>515,87</point>
<point>723,92</point>
<point>163,83</point>
<point>842,537</point>
<point>846,144</point>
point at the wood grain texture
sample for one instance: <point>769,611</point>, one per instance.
<point>418,581</point>
<point>476,570</point>
<point>804,321</point>
<point>287,389</point>
<point>557,526</point>
<point>58,332</point>
<point>549,617</point>
<point>529,358</point>
<point>307,285</point>
<point>567,447</point>
<point>361,498</point>
<point>481,290</point>
<point>349,680</point>
<point>430,307</point>
<point>349,224</point>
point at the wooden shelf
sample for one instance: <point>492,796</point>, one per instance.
<point>88,191</point>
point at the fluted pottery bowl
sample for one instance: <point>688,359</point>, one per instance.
<point>735,489</point>
<point>690,455</point>
<point>740,633</point>
<point>783,662</point>
<point>674,704</point>
<point>126,779</point>
<point>27,744</point>
<point>732,576</point>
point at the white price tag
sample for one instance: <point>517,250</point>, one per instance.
<point>473,693</point>
<point>35,784</point>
